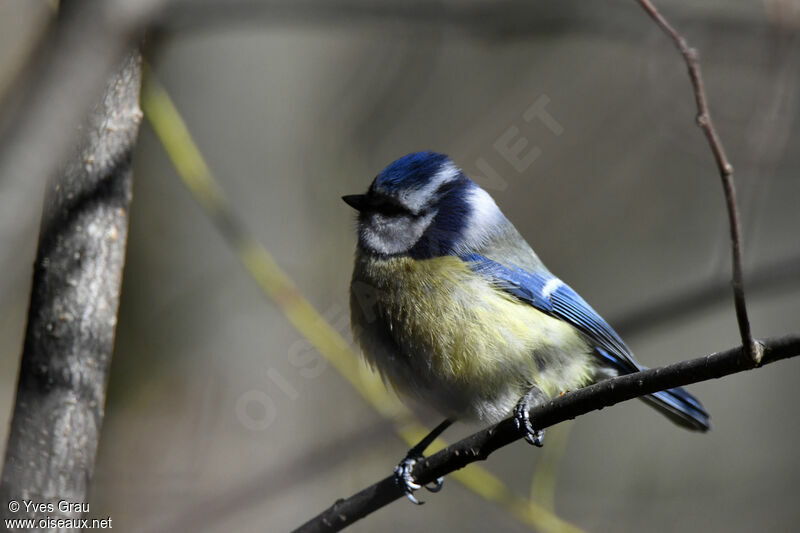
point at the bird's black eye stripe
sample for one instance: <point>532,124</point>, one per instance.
<point>387,206</point>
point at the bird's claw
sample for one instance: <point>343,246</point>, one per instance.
<point>522,419</point>
<point>403,476</point>
<point>436,486</point>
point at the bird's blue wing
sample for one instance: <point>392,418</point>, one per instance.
<point>550,295</point>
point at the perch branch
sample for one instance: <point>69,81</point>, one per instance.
<point>480,445</point>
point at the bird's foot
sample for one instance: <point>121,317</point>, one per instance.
<point>403,476</point>
<point>522,417</point>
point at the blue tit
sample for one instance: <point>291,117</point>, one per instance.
<point>455,310</point>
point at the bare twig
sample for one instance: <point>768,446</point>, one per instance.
<point>725,170</point>
<point>568,406</point>
<point>73,311</point>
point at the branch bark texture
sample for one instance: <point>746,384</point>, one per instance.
<point>480,445</point>
<point>73,308</point>
<point>63,79</point>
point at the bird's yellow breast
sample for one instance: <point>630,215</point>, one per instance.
<point>437,330</point>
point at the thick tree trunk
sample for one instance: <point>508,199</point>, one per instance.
<point>73,311</point>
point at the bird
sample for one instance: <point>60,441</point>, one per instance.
<point>455,311</point>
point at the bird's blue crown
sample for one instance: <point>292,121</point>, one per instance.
<point>410,172</point>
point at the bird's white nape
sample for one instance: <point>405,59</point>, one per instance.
<point>484,220</point>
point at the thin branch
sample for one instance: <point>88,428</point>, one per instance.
<point>725,170</point>
<point>606,393</point>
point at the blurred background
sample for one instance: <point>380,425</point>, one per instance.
<point>221,417</point>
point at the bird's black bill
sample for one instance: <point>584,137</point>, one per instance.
<point>356,201</point>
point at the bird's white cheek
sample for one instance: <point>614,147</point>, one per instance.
<point>392,235</point>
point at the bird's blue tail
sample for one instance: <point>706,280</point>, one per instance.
<point>680,407</point>
<point>676,404</point>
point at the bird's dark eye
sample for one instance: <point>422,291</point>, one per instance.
<point>391,209</point>
<point>386,206</point>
